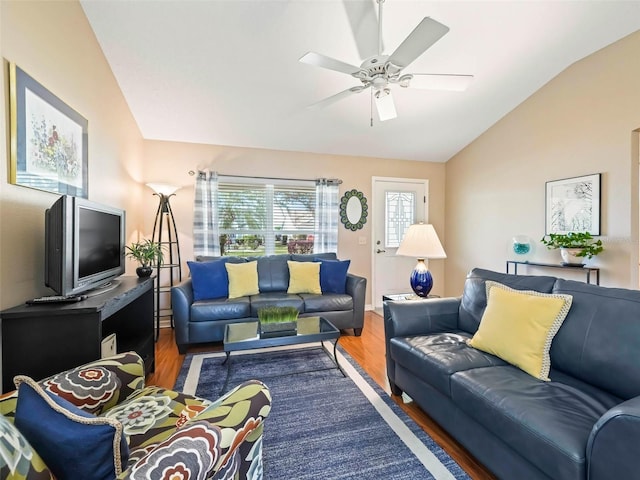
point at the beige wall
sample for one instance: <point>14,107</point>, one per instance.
<point>580,123</point>
<point>52,42</point>
<point>170,162</point>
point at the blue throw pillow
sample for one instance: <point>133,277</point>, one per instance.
<point>73,443</point>
<point>209,280</point>
<point>333,275</point>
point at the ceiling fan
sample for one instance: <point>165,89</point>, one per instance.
<point>380,71</point>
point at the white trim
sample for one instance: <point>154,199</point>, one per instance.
<point>373,206</point>
<point>419,449</point>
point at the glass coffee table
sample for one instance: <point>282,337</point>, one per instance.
<point>246,336</point>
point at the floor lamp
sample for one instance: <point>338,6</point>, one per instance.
<point>169,271</point>
<point>421,241</point>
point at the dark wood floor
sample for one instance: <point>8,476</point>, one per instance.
<point>368,350</point>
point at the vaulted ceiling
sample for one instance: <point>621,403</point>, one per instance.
<point>227,72</point>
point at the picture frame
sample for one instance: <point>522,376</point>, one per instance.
<point>49,139</point>
<point>573,205</point>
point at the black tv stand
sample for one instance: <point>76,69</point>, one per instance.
<point>41,340</point>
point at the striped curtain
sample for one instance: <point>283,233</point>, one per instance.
<point>206,235</point>
<point>326,228</point>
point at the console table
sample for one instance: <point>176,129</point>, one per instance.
<point>41,340</point>
<point>585,269</point>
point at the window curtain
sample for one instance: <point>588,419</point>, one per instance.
<point>206,235</point>
<point>326,227</point>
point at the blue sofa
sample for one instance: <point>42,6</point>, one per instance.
<point>583,424</point>
<point>199,321</point>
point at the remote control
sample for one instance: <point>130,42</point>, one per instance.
<point>57,299</point>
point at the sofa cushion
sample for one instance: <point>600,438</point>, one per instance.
<point>602,326</point>
<point>333,275</point>
<point>518,326</point>
<point>153,413</point>
<point>474,296</point>
<point>275,299</point>
<point>548,423</point>
<point>313,257</point>
<point>273,273</point>
<point>18,459</point>
<point>304,277</point>
<point>209,279</point>
<point>434,358</point>
<point>243,279</point>
<point>220,309</point>
<point>327,302</point>
<point>73,443</point>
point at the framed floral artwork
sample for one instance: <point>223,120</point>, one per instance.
<point>48,139</point>
<point>573,205</point>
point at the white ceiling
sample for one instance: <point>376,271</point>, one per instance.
<point>227,72</point>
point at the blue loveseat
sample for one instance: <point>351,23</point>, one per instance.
<point>582,424</point>
<point>204,320</point>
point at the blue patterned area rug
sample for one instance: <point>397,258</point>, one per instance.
<point>324,425</point>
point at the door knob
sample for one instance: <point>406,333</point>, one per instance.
<point>380,251</point>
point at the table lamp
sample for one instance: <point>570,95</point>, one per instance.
<point>421,241</point>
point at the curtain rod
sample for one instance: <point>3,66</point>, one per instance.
<point>336,180</point>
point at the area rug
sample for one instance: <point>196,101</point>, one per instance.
<point>324,425</point>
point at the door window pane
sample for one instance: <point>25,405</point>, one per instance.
<point>400,213</point>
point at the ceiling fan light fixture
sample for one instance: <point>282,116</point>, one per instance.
<point>384,105</point>
<point>405,80</point>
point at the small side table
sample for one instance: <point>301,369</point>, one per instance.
<point>401,297</point>
<point>583,268</point>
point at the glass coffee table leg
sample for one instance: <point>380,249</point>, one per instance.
<point>335,357</point>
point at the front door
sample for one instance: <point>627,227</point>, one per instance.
<point>397,204</point>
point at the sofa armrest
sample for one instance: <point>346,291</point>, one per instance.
<point>241,414</point>
<point>420,317</point>
<point>195,449</point>
<point>416,317</point>
<point>181,300</point>
<point>357,288</point>
<point>612,448</point>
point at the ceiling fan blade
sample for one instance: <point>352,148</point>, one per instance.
<point>423,36</point>
<point>318,60</point>
<point>364,25</point>
<point>385,106</point>
<point>334,98</point>
<point>427,81</point>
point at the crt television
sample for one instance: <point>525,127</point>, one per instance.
<point>84,245</point>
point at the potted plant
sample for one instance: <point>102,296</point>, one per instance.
<point>277,321</point>
<point>146,253</point>
<point>574,246</point>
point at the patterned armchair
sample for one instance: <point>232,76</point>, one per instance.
<point>146,432</point>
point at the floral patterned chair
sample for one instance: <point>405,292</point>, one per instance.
<point>150,432</point>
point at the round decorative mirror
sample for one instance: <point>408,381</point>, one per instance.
<point>353,210</point>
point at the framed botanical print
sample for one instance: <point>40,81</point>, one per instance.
<point>48,139</point>
<point>573,205</point>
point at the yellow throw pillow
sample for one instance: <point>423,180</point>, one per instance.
<point>518,326</point>
<point>243,279</point>
<point>304,277</point>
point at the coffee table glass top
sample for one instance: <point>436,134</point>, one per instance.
<point>244,335</point>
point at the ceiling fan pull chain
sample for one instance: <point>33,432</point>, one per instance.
<point>371,107</point>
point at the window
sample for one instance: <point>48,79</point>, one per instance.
<point>401,213</point>
<point>265,219</point>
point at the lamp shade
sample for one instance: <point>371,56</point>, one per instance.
<point>163,188</point>
<point>421,241</point>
